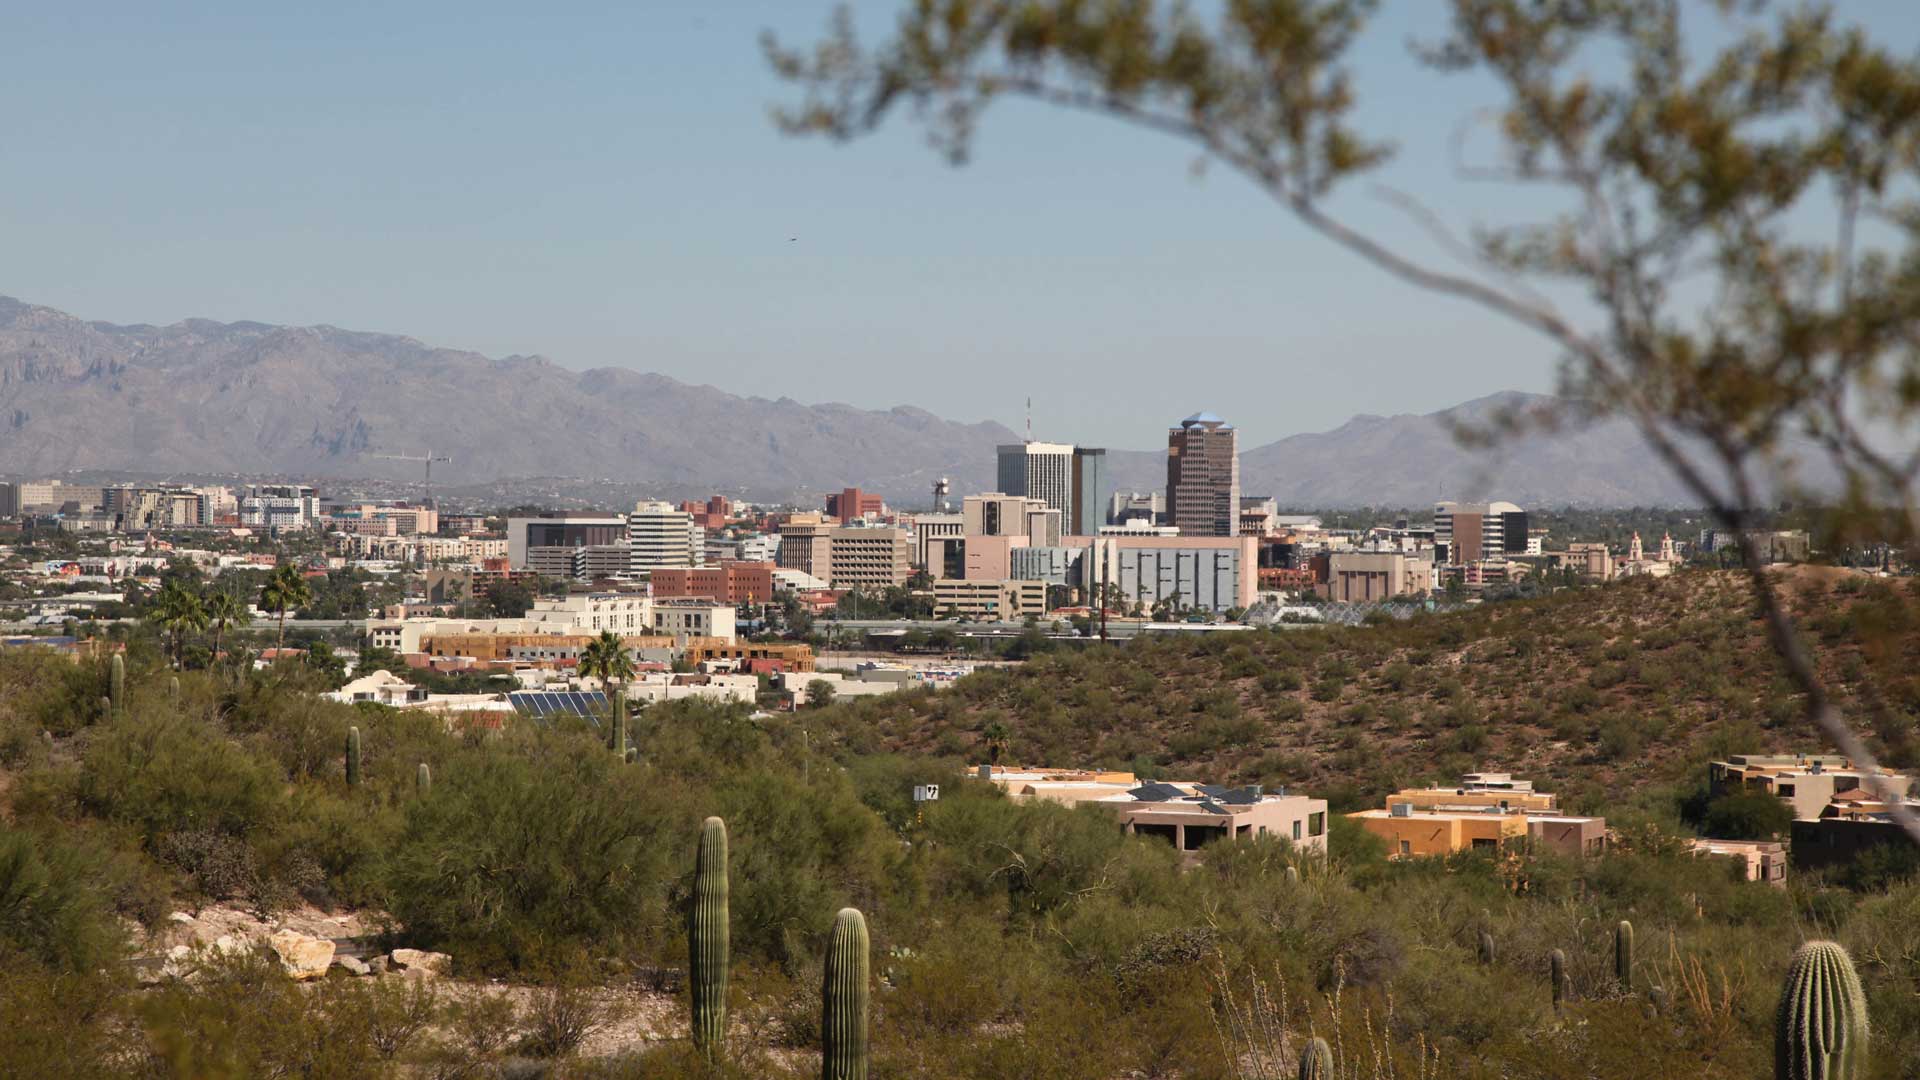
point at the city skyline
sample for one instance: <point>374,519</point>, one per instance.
<point>597,187</point>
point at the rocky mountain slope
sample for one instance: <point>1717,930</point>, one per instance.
<point>209,397</point>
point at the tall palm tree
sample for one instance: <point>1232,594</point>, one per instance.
<point>606,657</point>
<point>179,611</point>
<point>224,609</point>
<point>286,589</point>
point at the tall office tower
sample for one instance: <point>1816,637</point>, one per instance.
<point>662,534</point>
<point>1472,532</point>
<point>1203,477</point>
<point>1089,510</point>
<point>1039,470</point>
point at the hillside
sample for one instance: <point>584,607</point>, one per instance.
<point>1593,692</point>
<point>208,397</point>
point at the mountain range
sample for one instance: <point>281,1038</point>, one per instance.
<point>202,397</point>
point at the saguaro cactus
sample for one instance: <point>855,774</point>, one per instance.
<point>1316,1061</point>
<point>423,780</point>
<point>1486,948</point>
<point>353,756</point>
<point>1562,982</point>
<point>1821,1030</point>
<point>117,682</point>
<point>620,730</point>
<point>1623,954</point>
<point>708,939</point>
<point>1293,875</point>
<point>106,708</point>
<point>843,1022</point>
<point>173,689</point>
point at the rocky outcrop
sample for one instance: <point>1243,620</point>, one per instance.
<point>302,956</point>
<point>420,963</point>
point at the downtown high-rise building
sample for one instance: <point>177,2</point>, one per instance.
<point>1203,477</point>
<point>1466,533</point>
<point>1068,478</point>
<point>1038,470</point>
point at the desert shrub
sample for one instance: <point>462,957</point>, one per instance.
<point>1746,815</point>
<point>519,857</point>
<point>55,903</point>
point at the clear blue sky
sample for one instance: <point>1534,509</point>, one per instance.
<point>601,184</point>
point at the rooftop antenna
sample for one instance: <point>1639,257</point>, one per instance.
<point>1029,419</point>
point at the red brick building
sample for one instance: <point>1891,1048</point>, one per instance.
<point>729,582</point>
<point>854,503</point>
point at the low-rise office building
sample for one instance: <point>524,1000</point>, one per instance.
<point>683,619</point>
<point>990,601</point>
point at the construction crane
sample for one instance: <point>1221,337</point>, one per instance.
<point>426,459</point>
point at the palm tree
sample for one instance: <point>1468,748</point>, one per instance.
<point>286,589</point>
<point>224,609</point>
<point>997,736</point>
<point>606,657</point>
<point>178,611</point>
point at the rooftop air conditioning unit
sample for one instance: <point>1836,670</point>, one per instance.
<point>1400,810</point>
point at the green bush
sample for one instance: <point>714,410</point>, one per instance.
<point>522,858</point>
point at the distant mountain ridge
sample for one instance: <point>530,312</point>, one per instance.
<point>200,396</point>
<point>207,397</point>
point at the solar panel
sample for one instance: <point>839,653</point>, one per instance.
<point>1157,792</point>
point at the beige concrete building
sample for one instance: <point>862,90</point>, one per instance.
<point>868,559</point>
<point>684,620</point>
<point>990,600</point>
<point>805,545</point>
<point>1759,860</point>
<point>1362,577</point>
<point>1807,783</point>
<point>1188,816</point>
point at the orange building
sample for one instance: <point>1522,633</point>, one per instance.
<point>1410,833</point>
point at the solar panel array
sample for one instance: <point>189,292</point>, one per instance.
<point>541,704</point>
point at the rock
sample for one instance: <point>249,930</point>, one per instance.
<point>228,945</point>
<point>353,965</point>
<point>427,963</point>
<point>303,956</point>
<point>181,917</point>
<point>377,965</point>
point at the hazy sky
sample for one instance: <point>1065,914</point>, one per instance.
<point>601,184</point>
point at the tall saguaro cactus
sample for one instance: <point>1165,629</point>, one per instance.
<point>1316,1061</point>
<point>117,683</point>
<point>173,689</point>
<point>843,1023</point>
<point>708,937</point>
<point>1562,982</point>
<point>423,780</point>
<point>1486,948</point>
<point>1623,954</point>
<point>353,757</point>
<point>1821,1029</point>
